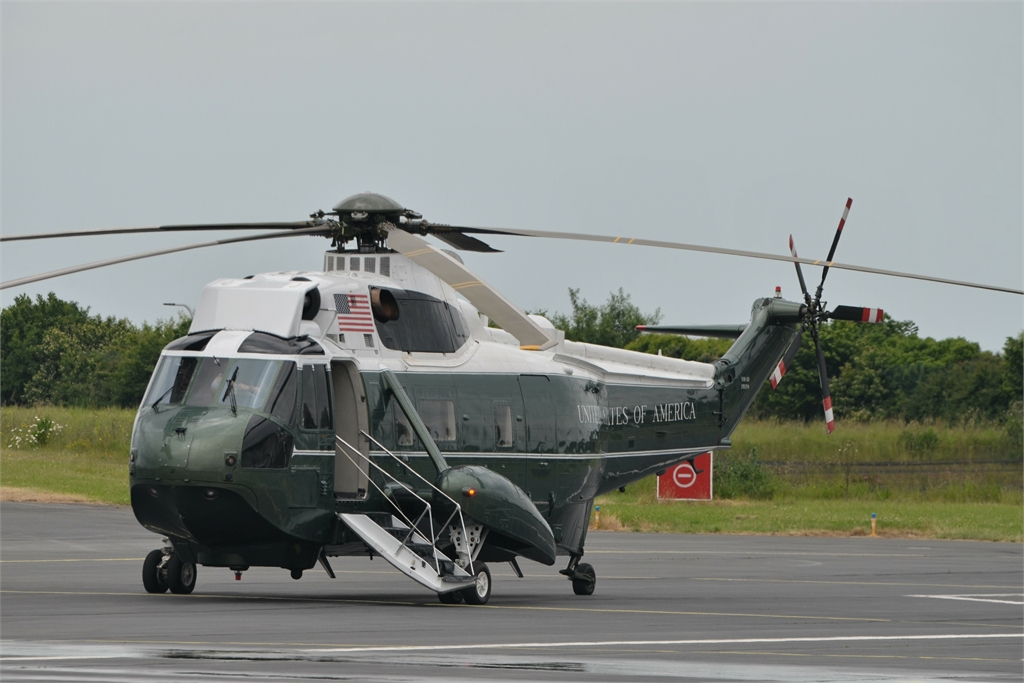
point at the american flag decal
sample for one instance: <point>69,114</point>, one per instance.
<point>353,313</point>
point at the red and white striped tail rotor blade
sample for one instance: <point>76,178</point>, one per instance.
<point>785,363</point>
<point>830,420</point>
<point>826,396</point>
<point>858,314</point>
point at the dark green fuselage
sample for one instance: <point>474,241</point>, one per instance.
<point>563,439</point>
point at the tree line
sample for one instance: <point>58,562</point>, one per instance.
<point>54,352</point>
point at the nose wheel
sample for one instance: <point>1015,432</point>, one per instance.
<point>163,571</point>
<point>154,572</point>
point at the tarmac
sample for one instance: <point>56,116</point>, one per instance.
<point>667,607</point>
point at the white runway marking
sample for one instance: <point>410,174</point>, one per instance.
<point>979,597</point>
<point>621,643</point>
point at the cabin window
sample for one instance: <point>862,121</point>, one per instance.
<point>316,402</point>
<point>439,418</point>
<point>420,323</point>
<point>503,436</point>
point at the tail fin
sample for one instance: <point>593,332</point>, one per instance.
<point>750,361</point>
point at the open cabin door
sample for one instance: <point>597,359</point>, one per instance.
<point>351,479</point>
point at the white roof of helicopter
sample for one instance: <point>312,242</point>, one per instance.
<point>273,302</point>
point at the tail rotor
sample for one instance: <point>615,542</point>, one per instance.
<point>814,315</point>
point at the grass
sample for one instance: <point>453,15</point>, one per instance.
<point>876,441</point>
<point>639,510</point>
<point>84,453</point>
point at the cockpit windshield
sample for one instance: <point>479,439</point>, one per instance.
<point>265,385</point>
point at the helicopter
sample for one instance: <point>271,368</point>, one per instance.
<point>371,409</point>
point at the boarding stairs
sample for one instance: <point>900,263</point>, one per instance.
<point>409,541</point>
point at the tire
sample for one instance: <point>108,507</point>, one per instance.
<point>581,586</point>
<point>480,592</point>
<point>181,576</point>
<point>152,581</point>
<point>450,598</point>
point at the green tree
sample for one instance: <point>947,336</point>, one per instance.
<point>23,326</point>
<point>135,358</point>
<point>71,362</point>
<point>611,324</point>
<point>1013,367</point>
<point>54,352</point>
<point>679,346</point>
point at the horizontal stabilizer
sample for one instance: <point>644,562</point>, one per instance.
<point>722,331</point>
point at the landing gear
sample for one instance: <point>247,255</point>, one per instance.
<point>582,575</point>
<point>153,575</point>
<point>296,574</point>
<point>181,575</point>
<point>480,592</point>
<point>585,580</point>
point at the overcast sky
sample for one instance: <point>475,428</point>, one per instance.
<point>731,125</point>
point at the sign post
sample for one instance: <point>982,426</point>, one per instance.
<point>682,481</point>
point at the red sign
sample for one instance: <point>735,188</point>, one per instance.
<point>682,481</point>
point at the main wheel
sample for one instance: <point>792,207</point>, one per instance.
<point>584,586</point>
<point>152,581</point>
<point>181,575</point>
<point>480,592</point>
<point>450,598</point>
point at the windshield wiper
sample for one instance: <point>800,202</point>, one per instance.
<point>230,391</point>
<point>161,397</point>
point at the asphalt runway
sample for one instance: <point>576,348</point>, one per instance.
<point>667,608</point>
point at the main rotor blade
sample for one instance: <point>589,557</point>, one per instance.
<point>730,252</point>
<point>294,225</point>
<point>465,242</point>
<point>488,300</point>
<point>159,252</point>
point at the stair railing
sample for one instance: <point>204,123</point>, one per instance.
<point>427,510</point>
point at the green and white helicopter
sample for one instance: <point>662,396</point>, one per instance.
<point>369,408</point>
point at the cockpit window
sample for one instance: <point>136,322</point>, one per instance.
<point>265,385</point>
<point>170,381</point>
<point>207,383</point>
